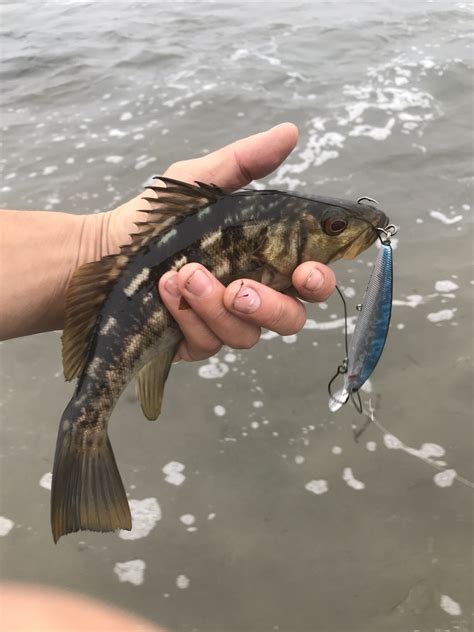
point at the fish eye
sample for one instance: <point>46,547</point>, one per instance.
<point>334,225</point>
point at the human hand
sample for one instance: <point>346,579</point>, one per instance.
<point>234,315</point>
<point>41,250</point>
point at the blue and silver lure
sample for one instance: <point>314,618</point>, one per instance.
<point>371,328</point>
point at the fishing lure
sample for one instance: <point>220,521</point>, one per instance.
<point>371,329</point>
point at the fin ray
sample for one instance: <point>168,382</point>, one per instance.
<point>92,282</point>
<point>151,382</point>
<point>87,491</point>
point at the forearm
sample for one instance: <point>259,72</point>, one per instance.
<point>39,252</point>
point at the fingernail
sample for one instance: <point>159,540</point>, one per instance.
<point>171,286</point>
<point>199,283</point>
<point>314,280</point>
<point>246,300</point>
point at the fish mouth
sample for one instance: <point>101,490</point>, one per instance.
<point>381,220</point>
<point>368,237</point>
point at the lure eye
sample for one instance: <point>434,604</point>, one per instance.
<point>334,225</point>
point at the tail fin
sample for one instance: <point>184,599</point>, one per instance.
<point>87,491</point>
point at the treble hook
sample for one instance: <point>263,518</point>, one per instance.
<point>341,369</point>
<point>369,199</point>
<point>388,232</point>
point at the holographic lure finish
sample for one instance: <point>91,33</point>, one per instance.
<point>371,330</point>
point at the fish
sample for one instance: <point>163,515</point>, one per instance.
<point>371,329</point>
<point>117,328</point>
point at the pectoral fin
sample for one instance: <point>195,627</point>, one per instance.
<point>275,279</point>
<point>151,382</point>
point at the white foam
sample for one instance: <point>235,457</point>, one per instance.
<point>141,164</point>
<point>114,159</point>
<point>132,571</point>
<point>431,450</point>
<point>450,606</point>
<point>317,487</point>
<point>213,370</point>
<point>290,339</point>
<point>445,478</point>
<point>211,516</point>
<point>45,480</point>
<point>319,148</point>
<point>371,446</point>
<point>376,133</point>
<point>187,519</point>
<point>219,410</point>
<point>257,404</point>
<point>412,300</point>
<point>299,459</point>
<point>338,323</point>
<point>349,292</point>
<point>444,314</point>
<point>126,116</point>
<point>446,286</point>
<point>6,525</point>
<point>182,582</point>
<point>230,357</point>
<point>444,218</point>
<point>173,471</point>
<point>173,466</point>
<point>145,514</point>
<point>392,442</point>
<point>117,133</point>
<point>348,477</point>
<point>268,335</point>
<point>254,425</point>
<point>336,449</point>
<point>47,171</point>
<point>386,95</point>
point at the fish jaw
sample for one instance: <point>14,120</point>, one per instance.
<point>367,238</point>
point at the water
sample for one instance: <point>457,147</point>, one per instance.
<point>268,516</point>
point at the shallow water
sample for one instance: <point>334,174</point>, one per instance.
<point>254,508</point>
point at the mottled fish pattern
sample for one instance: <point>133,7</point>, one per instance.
<point>117,328</point>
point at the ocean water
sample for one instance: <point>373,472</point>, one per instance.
<point>254,508</point>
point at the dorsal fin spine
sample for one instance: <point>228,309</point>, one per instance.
<point>92,283</point>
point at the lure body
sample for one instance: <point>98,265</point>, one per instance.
<point>371,329</point>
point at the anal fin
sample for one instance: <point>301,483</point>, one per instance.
<point>151,382</point>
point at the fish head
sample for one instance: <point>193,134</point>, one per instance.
<point>338,229</point>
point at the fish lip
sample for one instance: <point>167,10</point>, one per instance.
<point>362,242</point>
<point>381,220</point>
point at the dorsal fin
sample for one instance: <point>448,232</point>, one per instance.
<point>171,205</point>
<point>86,294</point>
<point>92,282</point>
